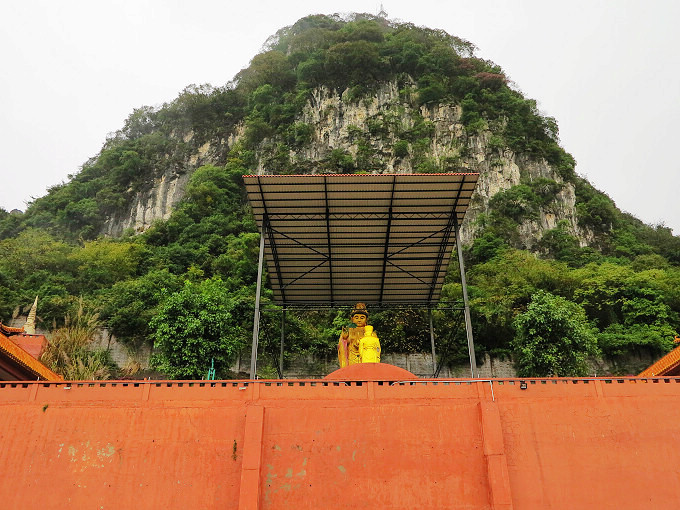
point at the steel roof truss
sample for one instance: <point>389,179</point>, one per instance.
<point>384,238</point>
<point>453,221</point>
<point>301,276</point>
<point>410,274</point>
<point>277,231</point>
<point>266,227</point>
<point>328,237</point>
<point>387,237</point>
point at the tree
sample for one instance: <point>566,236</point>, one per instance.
<point>354,62</point>
<point>103,262</point>
<point>269,67</point>
<point>553,338</point>
<point>502,287</point>
<point>128,306</point>
<point>561,244</point>
<point>201,322</point>
<point>35,263</point>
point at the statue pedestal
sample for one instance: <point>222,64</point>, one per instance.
<point>371,372</point>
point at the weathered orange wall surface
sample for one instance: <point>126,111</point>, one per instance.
<point>558,444</point>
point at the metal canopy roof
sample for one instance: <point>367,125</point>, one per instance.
<point>339,239</point>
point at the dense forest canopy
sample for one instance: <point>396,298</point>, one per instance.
<point>187,283</point>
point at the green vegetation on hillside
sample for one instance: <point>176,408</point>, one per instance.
<point>187,283</point>
<point>553,338</point>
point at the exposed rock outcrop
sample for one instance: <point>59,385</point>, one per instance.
<point>432,138</point>
<point>158,200</point>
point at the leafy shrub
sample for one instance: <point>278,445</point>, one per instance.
<point>400,149</point>
<point>430,90</point>
<point>618,340</point>
<point>553,338</point>
<point>340,160</point>
<point>299,134</point>
<point>519,203</point>
<point>200,323</point>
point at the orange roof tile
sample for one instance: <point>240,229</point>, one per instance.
<point>6,330</point>
<point>34,345</point>
<point>22,358</point>
<point>664,366</point>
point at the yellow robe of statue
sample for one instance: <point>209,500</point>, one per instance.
<point>355,335</point>
<point>361,346</point>
<point>348,347</point>
<point>369,347</point>
<point>343,353</point>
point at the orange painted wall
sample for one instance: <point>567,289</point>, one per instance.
<point>558,444</point>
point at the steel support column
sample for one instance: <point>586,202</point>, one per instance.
<point>256,318</point>
<point>468,322</point>
<point>283,337</point>
<point>434,354</point>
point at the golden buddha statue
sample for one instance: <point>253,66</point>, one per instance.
<point>359,344</point>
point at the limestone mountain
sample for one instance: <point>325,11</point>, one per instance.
<point>333,95</point>
<point>384,130</point>
<point>162,203</point>
<point>385,126</point>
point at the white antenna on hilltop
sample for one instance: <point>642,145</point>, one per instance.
<point>382,13</point>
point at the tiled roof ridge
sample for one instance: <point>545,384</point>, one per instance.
<point>20,356</point>
<point>7,330</point>
<point>664,365</point>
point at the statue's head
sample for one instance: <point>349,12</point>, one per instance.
<point>360,315</point>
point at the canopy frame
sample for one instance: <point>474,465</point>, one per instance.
<point>396,230</point>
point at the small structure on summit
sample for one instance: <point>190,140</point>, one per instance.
<point>358,344</point>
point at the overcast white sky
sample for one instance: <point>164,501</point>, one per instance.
<point>608,71</point>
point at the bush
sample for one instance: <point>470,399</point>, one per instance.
<point>519,203</point>
<point>400,149</point>
<point>69,351</point>
<point>619,340</point>
<point>339,160</point>
<point>201,322</point>
<point>553,338</point>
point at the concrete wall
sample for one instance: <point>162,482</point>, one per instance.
<point>136,359</point>
<point>420,364</point>
<point>546,444</point>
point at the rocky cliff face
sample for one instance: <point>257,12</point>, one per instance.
<point>387,132</point>
<point>158,200</point>
<point>151,205</point>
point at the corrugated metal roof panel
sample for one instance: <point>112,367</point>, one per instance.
<point>343,238</point>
